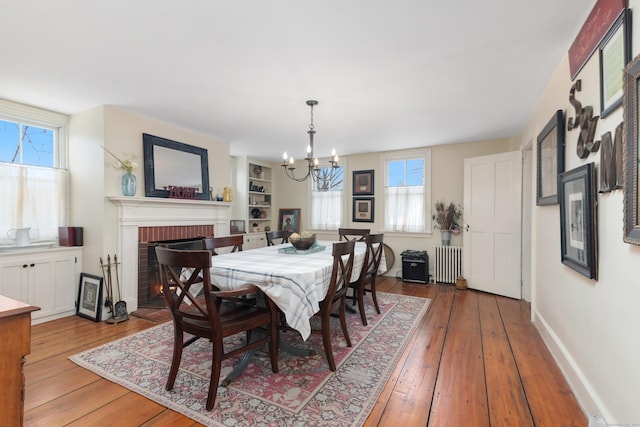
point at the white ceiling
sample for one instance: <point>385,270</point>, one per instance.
<point>387,74</point>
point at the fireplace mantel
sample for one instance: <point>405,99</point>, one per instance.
<point>134,212</point>
<point>158,211</point>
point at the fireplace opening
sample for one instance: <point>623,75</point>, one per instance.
<point>149,286</point>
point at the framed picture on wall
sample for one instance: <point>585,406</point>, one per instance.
<point>89,303</point>
<point>363,209</point>
<point>578,228</point>
<point>363,183</point>
<point>615,54</point>
<point>550,160</point>
<point>289,219</point>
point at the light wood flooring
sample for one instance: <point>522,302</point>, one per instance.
<point>475,360</point>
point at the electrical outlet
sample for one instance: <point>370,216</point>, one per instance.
<point>595,421</point>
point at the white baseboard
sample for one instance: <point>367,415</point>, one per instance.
<point>587,397</point>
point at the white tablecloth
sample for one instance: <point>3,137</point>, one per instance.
<point>296,283</point>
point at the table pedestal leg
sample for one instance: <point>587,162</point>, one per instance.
<point>284,345</point>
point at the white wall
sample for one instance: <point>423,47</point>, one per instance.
<point>590,326</point>
<point>93,177</point>
<point>86,135</point>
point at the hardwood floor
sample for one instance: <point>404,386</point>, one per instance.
<point>475,360</point>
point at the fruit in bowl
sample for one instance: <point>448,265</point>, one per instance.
<point>302,241</point>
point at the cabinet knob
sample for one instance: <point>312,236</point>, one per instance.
<point>25,265</point>
<point>31,265</point>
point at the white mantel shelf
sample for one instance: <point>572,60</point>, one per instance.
<point>135,212</point>
<point>126,200</point>
<point>156,211</point>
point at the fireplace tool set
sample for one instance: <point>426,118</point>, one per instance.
<point>119,309</point>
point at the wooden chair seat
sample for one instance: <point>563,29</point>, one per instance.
<point>213,315</point>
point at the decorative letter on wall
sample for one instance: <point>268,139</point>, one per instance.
<point>611,161</point>
<point>587,122</point>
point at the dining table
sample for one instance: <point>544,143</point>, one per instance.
<point>296,281</point>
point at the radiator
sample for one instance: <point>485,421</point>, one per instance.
<point>448,264</point>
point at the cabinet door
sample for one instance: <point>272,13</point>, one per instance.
<point>14,280</point>
<point>67,279</point>
<point>41,290</point>
<point>253,241</point>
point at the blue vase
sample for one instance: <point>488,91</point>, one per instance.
<point>128,184</point>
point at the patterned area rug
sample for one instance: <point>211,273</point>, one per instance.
<point>304,393</point>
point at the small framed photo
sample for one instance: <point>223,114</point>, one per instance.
<point>578,235</point>
<point>90,297</point>
<point>363,183</point>
<point>289,219</point>
<point>236,226</point>
<point>615,54</point>
<point>550,160</point>
<point>363,209</point>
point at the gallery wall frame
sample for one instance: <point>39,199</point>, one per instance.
<point>615,54</point>
<point>600,20</point>
<point>289,219</point>
<point>630,159</point>
<point>363,209</point>
<point>578,220</point>
<point>550,153</point>
<point>363,182</point>
<point>89,303</point>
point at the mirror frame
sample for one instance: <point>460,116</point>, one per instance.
<point>630,152</point>
<point>149,142</point>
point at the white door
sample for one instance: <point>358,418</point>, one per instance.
<point>492,223</point>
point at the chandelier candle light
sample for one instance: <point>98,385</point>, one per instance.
<point>313,167</point>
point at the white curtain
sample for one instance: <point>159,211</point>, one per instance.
<point>326,210</point>
<point>404,209</point>
<point>33,197</point>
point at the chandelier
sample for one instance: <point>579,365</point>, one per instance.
<point>313,168</point>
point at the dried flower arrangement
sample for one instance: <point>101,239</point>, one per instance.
<point>447,216</point>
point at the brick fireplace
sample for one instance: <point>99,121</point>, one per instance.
<point>152,219</point>
<point>179,237</point>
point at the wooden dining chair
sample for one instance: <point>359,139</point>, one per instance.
<point>274,236</point>
<point>207,317</point>
<point>333,304</point>
<point>366,281</point>
<point>353,233</point>
<point>214,244</point>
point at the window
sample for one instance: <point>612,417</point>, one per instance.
<point>406,192</point>
<point>326,200</point>
<point>33,183</point>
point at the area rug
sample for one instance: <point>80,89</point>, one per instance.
<point>304,393</point>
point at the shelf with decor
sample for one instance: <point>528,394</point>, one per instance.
<point>254,190</point>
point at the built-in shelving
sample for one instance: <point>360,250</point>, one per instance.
<point>259,201</point>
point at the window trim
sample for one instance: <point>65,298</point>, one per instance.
<point>58,122</point>
<point>424,153</point>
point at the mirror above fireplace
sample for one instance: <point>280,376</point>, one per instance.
<point>170,163</point>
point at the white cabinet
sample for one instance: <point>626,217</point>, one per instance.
<point>254,241</point>
<point>46,278</point>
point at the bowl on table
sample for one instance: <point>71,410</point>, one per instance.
<point>302,243</point>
